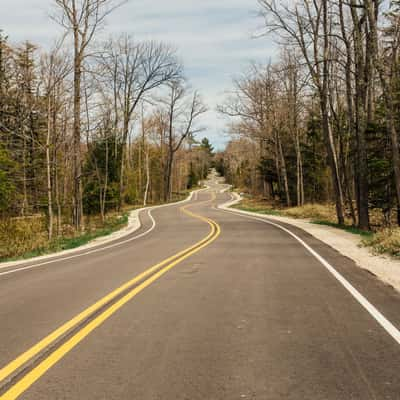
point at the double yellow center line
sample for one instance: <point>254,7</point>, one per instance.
<point>117,299</point>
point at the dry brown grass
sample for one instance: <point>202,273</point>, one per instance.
<point>385,241</point>
<point>322,212</point>
<point>257,205</point>
<point>27,236</point>
<point>22,235</point>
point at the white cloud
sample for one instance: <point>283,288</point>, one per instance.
<point>213,38</point>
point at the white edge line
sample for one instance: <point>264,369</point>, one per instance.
<point>372,310</point>
<point>102,248</point>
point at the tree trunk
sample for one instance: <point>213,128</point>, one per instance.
<point>78,203</point>
<point>123,160</point>
<point>350,108</point>
<point>56,182</point>
<point>332,161</point>
<point>146,192</point>
<point>299,171</point>
<point>347,181</point>
<point>277,165</point>
<point>324,104</point>
<point>284,173</point>
<point>140,162</point>
<point>48,169</point>
<point>168,174</point>
<point>360,128</point>
<point>103,195</point>
<point>391,127</point>
<point>24,207</point>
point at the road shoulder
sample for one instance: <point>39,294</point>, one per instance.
<point>347,244</point>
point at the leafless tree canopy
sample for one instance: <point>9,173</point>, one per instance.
<point>90,127</point>
<point>336,77</point>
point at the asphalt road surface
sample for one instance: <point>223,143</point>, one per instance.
<point>207,305</point>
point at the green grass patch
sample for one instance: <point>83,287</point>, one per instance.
<point>260,210</point>
<point>110,227</point>
<point>351,229</point>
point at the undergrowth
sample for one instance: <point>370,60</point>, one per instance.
<point>386,241</point>
<point>22,238</point>
<point>26,237</point>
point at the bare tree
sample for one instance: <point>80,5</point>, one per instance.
<point>82,18</point>
<point>263,112</point>
<point>363,55</point>
<point>133,70</point>
<point>55,67</point>
<point>144,148</point>
<point>386,69</point>
<point>182,111</point>
<point>293,85</point>
<point>307,25</point>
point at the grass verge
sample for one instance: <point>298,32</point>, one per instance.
<point>259,210</point>
<point>110,226</point>
<point>351,229</point>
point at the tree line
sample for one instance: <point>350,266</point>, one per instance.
<point>322,123</point>
<point>90,126</point>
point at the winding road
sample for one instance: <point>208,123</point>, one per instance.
<point>199,303</point>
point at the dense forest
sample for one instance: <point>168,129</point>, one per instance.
<point>322,123</point>
<point>90,127</point>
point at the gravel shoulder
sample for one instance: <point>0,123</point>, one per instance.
<point>348,244</point>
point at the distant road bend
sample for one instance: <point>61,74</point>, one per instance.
<point>207,304</point>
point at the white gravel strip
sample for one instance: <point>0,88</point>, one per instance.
<point>348,244</point>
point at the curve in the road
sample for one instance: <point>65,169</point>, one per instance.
<point>363,301</point>
<point>55,259</point>
<point>19,381</point>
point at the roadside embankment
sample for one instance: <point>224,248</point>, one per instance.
<point>120,227</point>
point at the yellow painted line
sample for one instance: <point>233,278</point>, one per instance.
<point>52,337</point>
<point>38,371</point>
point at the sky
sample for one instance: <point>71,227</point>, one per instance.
<point>214,39</point>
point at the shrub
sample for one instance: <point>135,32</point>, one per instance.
<point>385,241</point>
<point>22,235</point>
